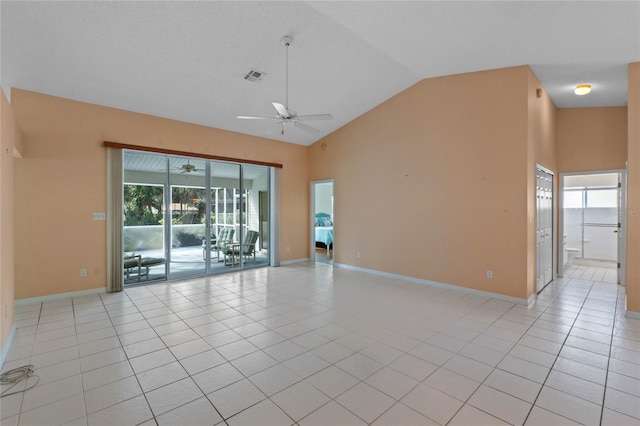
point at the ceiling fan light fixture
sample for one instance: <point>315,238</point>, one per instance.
<point>286,116</point>
<point>582,89</point>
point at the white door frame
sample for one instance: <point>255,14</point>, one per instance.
<point>622,229</point>
<point>312,226</point>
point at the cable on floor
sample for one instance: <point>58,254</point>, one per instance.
<point>15,376</point>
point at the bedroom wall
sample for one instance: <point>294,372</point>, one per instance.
<point>62,181</point>
<point>432,183</point>
<point>10,149</point>
<point>324,191</point>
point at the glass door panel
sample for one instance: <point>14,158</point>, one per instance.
<point>256,188</point>
<point>143,232</point>
<point>187,210</point>
<point>188,217</point>
<point>225,215</point>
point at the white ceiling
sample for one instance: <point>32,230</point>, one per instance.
<point>186,60</point>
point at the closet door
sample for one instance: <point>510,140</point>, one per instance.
<point>544,228</point>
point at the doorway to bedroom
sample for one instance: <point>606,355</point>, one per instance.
<point>322,219</point>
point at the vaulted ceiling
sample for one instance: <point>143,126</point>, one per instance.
<point>186,60</point>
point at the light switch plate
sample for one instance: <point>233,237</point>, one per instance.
<point>99,216</point>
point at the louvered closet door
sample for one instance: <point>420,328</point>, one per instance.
<point>544,228</point>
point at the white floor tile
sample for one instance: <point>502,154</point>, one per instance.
<point>569,406</point>
<point>576,386</point>
<point>331,414</point>
<point>217,377</point>
<point>160,376</point>
<point>365,401</point>
<point>622,402</point>
<point>359,366</point>
<point>236,397</point>
<point>413,367</point>
<point>299,400</point>
<point>168,397</point>
<point>400,414</point>
<point>58,413</point>
<point>110,394</point>
<point>263,413</point>
<point>512,384</point>
<point>392,382</point>
<point>127,413</point>
<point>432,403</point>
<point>469,415</point>
<point>274,379</point>
<point>501,405</point>
<point>428,347</point>
<point>541,417</point>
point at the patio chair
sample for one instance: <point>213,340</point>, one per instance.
<point>235,250</point>
<point>131,262</point>
<point>218,244</point>
<point>148,262</point>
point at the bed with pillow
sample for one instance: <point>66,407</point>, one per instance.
<point>324,230</point>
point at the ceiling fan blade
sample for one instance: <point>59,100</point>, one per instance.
<point>313,117</point>
<point>305,127</point>
<point>282,111</point>
<point>250,117</point>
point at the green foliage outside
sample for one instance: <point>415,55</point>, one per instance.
<point>142,205</point>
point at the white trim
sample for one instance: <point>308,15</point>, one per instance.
<point>7,345</point>
<point>632,314</point>
<point>24,302</point>
<point>312,209</point>
<point>453,287</point>
<point>622,256</point>
<point>274,216</point>
<point>292,261</point>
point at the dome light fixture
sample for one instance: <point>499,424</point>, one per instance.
<point>582,89</point>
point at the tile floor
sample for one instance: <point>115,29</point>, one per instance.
<point>312,345</point>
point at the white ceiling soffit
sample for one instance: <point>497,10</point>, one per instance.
<point>186,60</point>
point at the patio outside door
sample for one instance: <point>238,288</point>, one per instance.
<point>187,217</point>
<point>187,210</point>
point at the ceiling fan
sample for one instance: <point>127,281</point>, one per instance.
<point>187,168</point>
<point>284,115</point>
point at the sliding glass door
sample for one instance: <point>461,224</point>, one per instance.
<point>187,210</point>
<point>187,217</point>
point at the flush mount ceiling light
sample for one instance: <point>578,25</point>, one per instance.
<point>582,89</point>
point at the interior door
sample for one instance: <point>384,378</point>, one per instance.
<point>544,228</point>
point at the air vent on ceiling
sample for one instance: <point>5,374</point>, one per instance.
<point>254,76</point>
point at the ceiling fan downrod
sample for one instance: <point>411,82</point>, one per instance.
<point>286,41</point>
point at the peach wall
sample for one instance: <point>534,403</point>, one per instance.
<point>432,183</point>
<point>633,190</point>
<point>62,182</point>
<point>592,139</point>
<point>542,150</point>
<point>10,143</point>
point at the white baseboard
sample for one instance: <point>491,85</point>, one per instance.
<point>292,261</point>
<point>498,296</point>
<point>7,345</point>
<point>632,314</point>
<point>23,302</point>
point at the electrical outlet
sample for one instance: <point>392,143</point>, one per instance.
<point>288,249</point>
<point>83,272</point>
<point>489,273</point>
<point>358,254</point>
